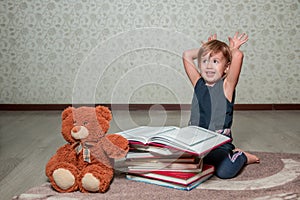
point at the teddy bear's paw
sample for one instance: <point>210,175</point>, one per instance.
<point>90,182</point>
<point>64,179</point>
<point>95,178</point>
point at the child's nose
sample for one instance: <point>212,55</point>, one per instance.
<point>209,64</point>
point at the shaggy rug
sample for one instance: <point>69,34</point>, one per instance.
<point>276,177</point>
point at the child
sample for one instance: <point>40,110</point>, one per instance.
<point>214,94</point>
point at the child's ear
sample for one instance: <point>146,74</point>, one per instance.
<point>227,68</point>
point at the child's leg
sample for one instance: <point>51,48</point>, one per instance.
<point>250,157</point>
<point>227,163</point>
<point>231,165</point>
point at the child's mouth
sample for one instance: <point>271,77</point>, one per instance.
<point>210,74</point>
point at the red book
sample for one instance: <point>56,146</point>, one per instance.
<point>183,178</point>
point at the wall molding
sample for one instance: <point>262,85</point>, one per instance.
<point>40,107</point>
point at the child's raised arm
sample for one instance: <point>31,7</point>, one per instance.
<point>237,60</point>
<point>188,57</point>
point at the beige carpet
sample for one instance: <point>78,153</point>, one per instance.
<point>276,177</point>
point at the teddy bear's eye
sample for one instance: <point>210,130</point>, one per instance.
<point>74,122</point>
<point>85,123</point>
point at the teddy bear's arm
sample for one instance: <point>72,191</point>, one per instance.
<point>65,153</point>
<point>116,146</point>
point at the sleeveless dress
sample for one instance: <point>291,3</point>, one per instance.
<point>211,110</point>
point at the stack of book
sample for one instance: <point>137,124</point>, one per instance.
<point>139,161</point>
<point>170,156</point>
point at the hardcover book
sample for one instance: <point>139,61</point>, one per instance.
<point>184,178</point>
<point>190,139</point>
<point>177,180</point>
<point>156,164</point>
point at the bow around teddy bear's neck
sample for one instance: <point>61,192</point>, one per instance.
<point>85,147</point>
<point>93,149</point>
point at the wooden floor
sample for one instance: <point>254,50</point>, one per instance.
<point>28,139</point>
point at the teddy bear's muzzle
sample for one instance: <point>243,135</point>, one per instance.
<point>79,132</point>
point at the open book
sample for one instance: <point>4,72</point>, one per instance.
<point>191,139</point>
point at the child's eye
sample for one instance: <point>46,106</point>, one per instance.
<point>204,61</point>
<point>215,61</point>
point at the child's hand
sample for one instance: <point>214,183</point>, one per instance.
<point>237,40</point>
<point>212,37</point>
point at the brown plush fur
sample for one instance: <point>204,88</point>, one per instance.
<point>67,170</point>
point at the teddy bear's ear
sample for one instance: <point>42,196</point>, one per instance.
<point>104,112</point>
<point>68,111</point>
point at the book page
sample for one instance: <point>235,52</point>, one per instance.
<point>143,133</point>
<point>192,135</point>
<point>211,141</point>
<point>187,136</point>
<point>190,139</point>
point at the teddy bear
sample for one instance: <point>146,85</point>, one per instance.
<point>86,162</point>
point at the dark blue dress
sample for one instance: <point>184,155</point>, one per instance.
<point>212,110</point>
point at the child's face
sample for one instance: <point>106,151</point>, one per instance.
<point>212,67</point>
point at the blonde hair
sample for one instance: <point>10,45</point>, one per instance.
<point>213,47</point>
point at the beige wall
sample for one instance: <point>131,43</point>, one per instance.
<point>96,51</point>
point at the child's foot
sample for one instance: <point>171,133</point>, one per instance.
<point>250,157</point>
